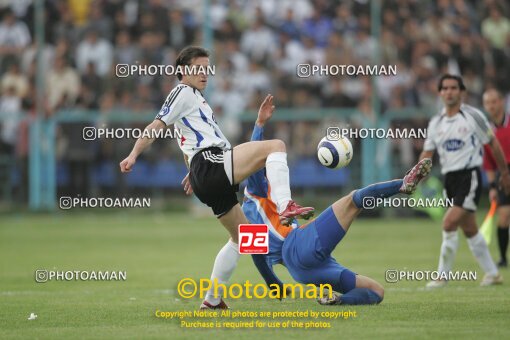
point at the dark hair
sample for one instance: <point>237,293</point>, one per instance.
<point>187,55</point>
<point>459,80</point>
<point>8,12</point>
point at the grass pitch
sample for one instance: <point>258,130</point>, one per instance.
<point>159,249</point>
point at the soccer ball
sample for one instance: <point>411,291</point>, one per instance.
<point>334,154</point>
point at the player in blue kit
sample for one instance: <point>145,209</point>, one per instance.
<point>306,250</point>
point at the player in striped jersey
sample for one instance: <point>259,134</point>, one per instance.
<point>458,134</point>
<point>306,250</point>
<point>216,169</point>
<point>495,105</point>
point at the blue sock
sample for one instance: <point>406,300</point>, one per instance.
<point>381,190</point>
<point>360,296</point>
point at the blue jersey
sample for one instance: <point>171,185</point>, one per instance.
<point>304,250</point>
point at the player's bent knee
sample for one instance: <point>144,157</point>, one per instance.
<point>277,145</point>
<point>379,291</point>
<point>350,196</point>
<point>450,224</point>
<point>469,231</point>
<point>376,287</point>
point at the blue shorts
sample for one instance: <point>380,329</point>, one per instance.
<point>307,254</point>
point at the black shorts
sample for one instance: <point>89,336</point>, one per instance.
<point>503,199</point>
<point>464,187</point>
<point>211,177</point>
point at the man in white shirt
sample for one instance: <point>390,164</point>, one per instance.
<point>14,37</point>
<point>216,169</point>
<point>14,34</point>
<point>96,50</point>
<point>458,134</point>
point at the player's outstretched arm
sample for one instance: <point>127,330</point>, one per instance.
<point>257,183</point>
<point>141,144</point>
<point>265,111</point>
<point>267,272</point>
<point>250,157</point>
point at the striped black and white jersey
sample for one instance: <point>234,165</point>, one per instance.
<point>186,108</point>
<point>459,139</point>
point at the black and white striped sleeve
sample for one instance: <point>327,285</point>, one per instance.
<point>174,106</point>
<point>483,129</point>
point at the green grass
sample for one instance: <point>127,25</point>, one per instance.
<point>157,250</point>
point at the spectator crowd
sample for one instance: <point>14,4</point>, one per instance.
<point>256,46</point>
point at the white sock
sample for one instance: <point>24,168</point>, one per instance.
<point>224,265</point>
<point>448,251</point>
<point>480,250</point>
<point>277,172</point>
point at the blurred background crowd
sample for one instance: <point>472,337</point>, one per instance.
<point>256,46</point>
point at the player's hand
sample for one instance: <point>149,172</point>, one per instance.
<point>266,110</point>
<point>493,195</point>
<point>504,182</point>
<point>127,164</point>
<point>187,185</point>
